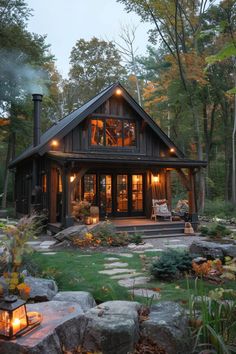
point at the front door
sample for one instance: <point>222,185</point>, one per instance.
<point>116,194</point>
<point>129,195</point>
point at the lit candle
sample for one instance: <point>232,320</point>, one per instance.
<point>16,325</point>
<point>94,220</point>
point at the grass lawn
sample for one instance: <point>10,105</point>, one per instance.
<point>78,270</point>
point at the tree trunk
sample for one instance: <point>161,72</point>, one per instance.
<point>6,173</point>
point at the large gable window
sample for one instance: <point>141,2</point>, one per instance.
<point>112,132</point>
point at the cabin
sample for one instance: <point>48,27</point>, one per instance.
<point>108,152</point>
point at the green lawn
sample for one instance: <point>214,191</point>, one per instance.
<point>78,270</point>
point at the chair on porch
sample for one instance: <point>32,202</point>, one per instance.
<point>160,209</point>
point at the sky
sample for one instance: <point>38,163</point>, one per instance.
<point>66,21</point>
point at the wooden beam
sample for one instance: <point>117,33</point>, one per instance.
<point>191,193</point>
<point>168,189</point>
<point>184,179</point>
<point>143,126</point>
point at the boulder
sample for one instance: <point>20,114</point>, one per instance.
<point>82,298</point>
<point>41,289</point>
<point>167,326</point>
<point>60,330</point>
<point>213,249</point>
<point>71,232</point>
<point>112,327</point>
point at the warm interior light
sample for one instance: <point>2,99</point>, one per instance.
<point>72,178</point>
<point>95,220</point>
<point>156,179</point>
<point>54,143</point>
<point>172,150</point>
<point>118,91</point>
<point>16,325</point>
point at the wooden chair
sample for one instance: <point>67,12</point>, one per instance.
<point>160,209</point>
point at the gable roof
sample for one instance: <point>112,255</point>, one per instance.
<point>65,125</point>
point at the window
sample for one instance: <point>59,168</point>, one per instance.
<point>97,133</point>
<point>113,132</point>
<point>90,188</point>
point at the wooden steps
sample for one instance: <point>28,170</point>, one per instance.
<point>154,230</point>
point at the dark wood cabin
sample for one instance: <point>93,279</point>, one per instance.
<point>109,152</point>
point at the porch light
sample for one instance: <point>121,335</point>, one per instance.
<point>54,143</point>
<point>72,178</point>
<point>156,179</point>
<point>172,150</point>
<point>13,317</point>
<point>118,92</point>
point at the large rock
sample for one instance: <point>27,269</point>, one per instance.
<point>112,327</point>
<point>213,249</point>
<point>60,328</point>
<point>82,298</point>
<point>168,327</point>
<point>71,232</point>
<point>41,289</point>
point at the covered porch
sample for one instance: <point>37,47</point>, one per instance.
<point>120,187</point>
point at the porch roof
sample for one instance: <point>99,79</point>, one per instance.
<point>127,158</point>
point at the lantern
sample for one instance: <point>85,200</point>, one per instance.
<point>13,317</point>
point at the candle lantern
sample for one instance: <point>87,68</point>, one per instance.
<point>13,317</point>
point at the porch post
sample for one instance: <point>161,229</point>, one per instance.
<point>168,189</point>
<point>67,219</point>
<point>192,198</point>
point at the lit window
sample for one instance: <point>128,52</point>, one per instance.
<point>117,132</point>
<point>97,132</point>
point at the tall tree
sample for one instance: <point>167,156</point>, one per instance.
<point>23,69</point>
<point>95,64</point>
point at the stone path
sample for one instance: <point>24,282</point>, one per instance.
<point>150,294</point>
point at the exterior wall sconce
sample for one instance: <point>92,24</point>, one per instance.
<point>14,320</point>
<point>54,143</point>
<point>72,178</point>
<point>172,150</point>
<point>118,92</point>
<point>156,179</point>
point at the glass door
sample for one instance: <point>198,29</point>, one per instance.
<point>105,194</point>
<point>122,205</point>
<point>137,194</point>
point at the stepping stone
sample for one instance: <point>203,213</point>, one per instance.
<point>139,252</point>
<point>111,259</point>
<point>135,247</point>
<point>126,276</point>
<point>154,250</point>
<point>174,240</point>
<point>128,255</point>
<point>116,265</point>
<point>49,253</point>
<point>146,293</point>
<point>84,255</point>
<point>130,283</point>
<point>116,271</point>
<point>48,243</point>
<point>177,246</point>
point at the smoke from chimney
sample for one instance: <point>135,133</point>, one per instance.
<point>37,99</point>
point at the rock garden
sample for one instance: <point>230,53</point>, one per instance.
<point>103,292</point>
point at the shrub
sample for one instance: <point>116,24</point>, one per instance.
<point>219,208</point>
<point>103,234</point>
<point>135,238</point>
<point>215,231</point>
<point>171,264</point>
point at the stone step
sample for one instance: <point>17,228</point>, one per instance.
<point>146,232</point>
<point>163,236</point>
<point>156,226</point>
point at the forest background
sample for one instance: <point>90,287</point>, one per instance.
<point>186,82</point>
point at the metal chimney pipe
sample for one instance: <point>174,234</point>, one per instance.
<point>37,99</point>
